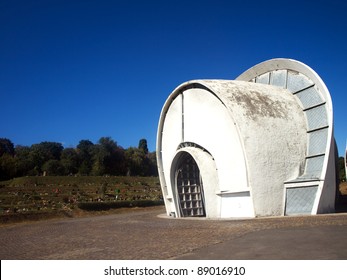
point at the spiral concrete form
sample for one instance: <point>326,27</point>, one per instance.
<point>260,145</point>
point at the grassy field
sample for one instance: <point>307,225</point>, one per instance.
<point>29,197</point>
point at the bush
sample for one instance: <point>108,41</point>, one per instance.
<point>103,206</point>
<point>54,167</point>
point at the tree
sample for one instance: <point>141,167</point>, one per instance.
<point>108,158</point>
<point>153,169</point>
<point>98,168</point>
<point>135,161</point>
<point>85,150</point>
<point>53,167</point>
<point>143,145</point>
<point>105,157</point>
<point>70,160</point>
<point>342,170</point>
<point>6,147</point>
<point>85,147</point>
<point>118,165</point>
<point>7,167</point>
<point>45,151</point>
<point>24,165</point>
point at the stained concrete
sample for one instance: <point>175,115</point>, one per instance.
<point>304,243</point>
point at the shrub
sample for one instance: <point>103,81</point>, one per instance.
<point>103,206</point>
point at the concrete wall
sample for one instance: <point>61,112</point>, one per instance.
<point>255,134</point>
<point>195,115</point>
<point>252,141</point>
<point>314,98</point>
<point>273,131</point>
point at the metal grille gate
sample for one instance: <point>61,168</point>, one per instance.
<point>189,188</point>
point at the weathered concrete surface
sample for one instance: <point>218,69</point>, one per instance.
<point>256,135</point>
<point>141,234</point>
<point>303,243</point>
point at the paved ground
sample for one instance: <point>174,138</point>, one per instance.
<point>141,234</point>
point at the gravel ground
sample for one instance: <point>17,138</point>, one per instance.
<point>145,234</point>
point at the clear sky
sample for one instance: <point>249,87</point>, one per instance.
<point>74,69</point>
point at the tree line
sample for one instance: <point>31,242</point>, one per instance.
<point>105,157</point>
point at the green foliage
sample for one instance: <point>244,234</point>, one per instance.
<point>85,150</point>
<point>135,159</point>
<point>24,165</point>
<point>50,158</point>
<point>7,167</point>
<point>43,152</point>
<point>103,206</point>
<point>143,146</point>
<point>6,147</point>
<point>108,158</point>
<point>53,167</point>
<point>152,169</point>
<point>342,170</point>
<point>70,160</point>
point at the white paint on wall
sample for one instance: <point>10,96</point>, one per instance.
<point>236,205</point>
<point>249,140</point>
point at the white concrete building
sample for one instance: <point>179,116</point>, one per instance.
<point>260,145</point>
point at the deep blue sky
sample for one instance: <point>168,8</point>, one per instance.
<point>73,70</point>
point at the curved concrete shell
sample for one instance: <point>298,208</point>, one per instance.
<point>260,145</point>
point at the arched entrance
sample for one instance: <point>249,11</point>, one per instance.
<point>189,187</point>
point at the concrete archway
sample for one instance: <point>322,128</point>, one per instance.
<point>189,187</point>
<point>203,175</point>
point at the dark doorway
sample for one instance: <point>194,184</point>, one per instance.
<point>189,187</point>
